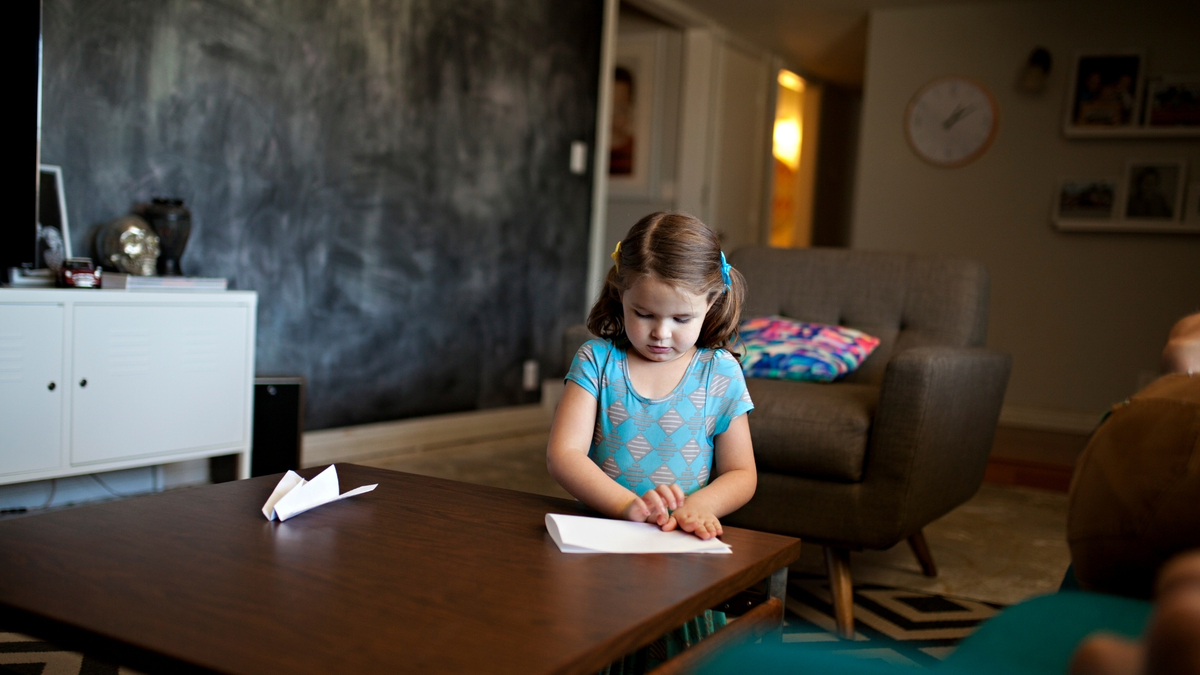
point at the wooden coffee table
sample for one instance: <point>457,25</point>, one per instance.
<point>422,575</point>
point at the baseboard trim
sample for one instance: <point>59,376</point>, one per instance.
<point>1049,419</point>
<point>422,434</point>
<point>1024,473</point>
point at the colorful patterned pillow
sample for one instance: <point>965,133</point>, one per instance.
<point>785,349</point>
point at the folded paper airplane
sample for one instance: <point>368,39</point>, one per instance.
<point>579,534</point>
<point>294,495</point>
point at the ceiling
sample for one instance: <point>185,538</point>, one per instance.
<point>826,39</point>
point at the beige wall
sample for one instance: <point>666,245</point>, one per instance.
<point>1084,315</point>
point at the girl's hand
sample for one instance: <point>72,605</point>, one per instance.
<point>694,517</point>
<point>655,506</point>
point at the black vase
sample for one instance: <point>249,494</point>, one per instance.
<point>173,223</point>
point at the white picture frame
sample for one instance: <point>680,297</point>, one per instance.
<point>1172,103</point>
<point>1087,204</point>
<point>1104,93</point>
<point>639,57</point>
<point>1191,208</point>
<point>52,222</point>
<point>1153,194</point>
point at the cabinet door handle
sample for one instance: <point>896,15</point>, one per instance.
<point>51,386</point>
<point>83,382</point>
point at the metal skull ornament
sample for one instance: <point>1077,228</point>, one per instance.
<point>128,244</point>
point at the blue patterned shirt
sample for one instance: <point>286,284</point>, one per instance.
<point>642,443</point>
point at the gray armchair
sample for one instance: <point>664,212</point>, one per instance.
<point>869,460</point>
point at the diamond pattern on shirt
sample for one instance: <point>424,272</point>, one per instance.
<point>663,475</point>
<point>617,413</point>
<point>690,451</point>
<point>666,450</point>
<point>671,421</point>
<point>642,419</point>
<point>661,441</point>
<point>720,384</point>
<point>638,447</point>
<point>610,468</point>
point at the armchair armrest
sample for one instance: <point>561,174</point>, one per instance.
<point>933,430</point>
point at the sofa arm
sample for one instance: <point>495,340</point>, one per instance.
<point>933,430</point>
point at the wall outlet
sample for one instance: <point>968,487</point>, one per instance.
<point>579,157</point>
<point>529,375</point>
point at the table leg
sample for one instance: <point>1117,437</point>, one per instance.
<point>777,589</point>
<point>764,620</point>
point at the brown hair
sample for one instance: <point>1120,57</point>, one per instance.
<point>679,250</point>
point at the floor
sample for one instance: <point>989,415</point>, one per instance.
<point>1004,545</point>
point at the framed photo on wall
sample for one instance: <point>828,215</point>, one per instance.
<point>53,233</point>
<point>1086,204</point>
<point>1153,191</point>
<point>635,98</point>
<point>1191,207</point>
<point>1103,94</point>
<point>1173,102</point>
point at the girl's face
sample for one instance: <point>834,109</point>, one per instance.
<point>662,322</point>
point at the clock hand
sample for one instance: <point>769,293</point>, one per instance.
<point>957,115</point>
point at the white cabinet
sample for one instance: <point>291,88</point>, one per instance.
<point>100,380</point>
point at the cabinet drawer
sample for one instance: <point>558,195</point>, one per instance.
<point>149,380</point>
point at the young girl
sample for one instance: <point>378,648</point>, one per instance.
<point>652,424</point>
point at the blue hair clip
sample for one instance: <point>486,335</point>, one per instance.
<point>725,267</point>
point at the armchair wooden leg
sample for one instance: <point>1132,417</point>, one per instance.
<point>837,562</point>
<point>921,550</point>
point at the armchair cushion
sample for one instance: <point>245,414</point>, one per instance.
<point>832,419</point>
<point>782,348</point>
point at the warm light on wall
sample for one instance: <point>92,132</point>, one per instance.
<point>790,80</point>
<point>787,142</point>
<point>791,198</point>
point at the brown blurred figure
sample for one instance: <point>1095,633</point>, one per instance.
<point>1172,642</point>
<point>1135,500</point>
<point>1182,353</point>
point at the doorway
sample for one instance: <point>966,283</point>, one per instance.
<point>689,128</point>
<point>645,125</point>
<point>793,150</point>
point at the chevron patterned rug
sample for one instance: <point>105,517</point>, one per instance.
<point>25,655</point>
<point>891,624</point>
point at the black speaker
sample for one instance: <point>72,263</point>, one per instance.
<point>278,424</point>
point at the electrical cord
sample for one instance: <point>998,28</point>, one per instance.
<point>106,487</point>
<point>53,491</point>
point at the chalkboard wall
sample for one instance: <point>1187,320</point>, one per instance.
<point>391,176</point>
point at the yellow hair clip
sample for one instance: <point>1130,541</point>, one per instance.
<point>616,256</point>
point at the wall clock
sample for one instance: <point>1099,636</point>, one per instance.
<point>951,121</point>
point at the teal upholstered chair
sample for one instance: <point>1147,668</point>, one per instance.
<point>1035,637</point>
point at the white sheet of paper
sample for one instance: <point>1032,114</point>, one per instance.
<point>294,495</point>
<point>580,534</point>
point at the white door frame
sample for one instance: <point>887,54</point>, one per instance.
<point>596,254</point>
<point>698,176</point>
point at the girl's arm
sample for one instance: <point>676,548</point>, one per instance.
<point>736,479</point>
<point>569,464</point>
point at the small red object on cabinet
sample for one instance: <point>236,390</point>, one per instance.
<point>79,273</point>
